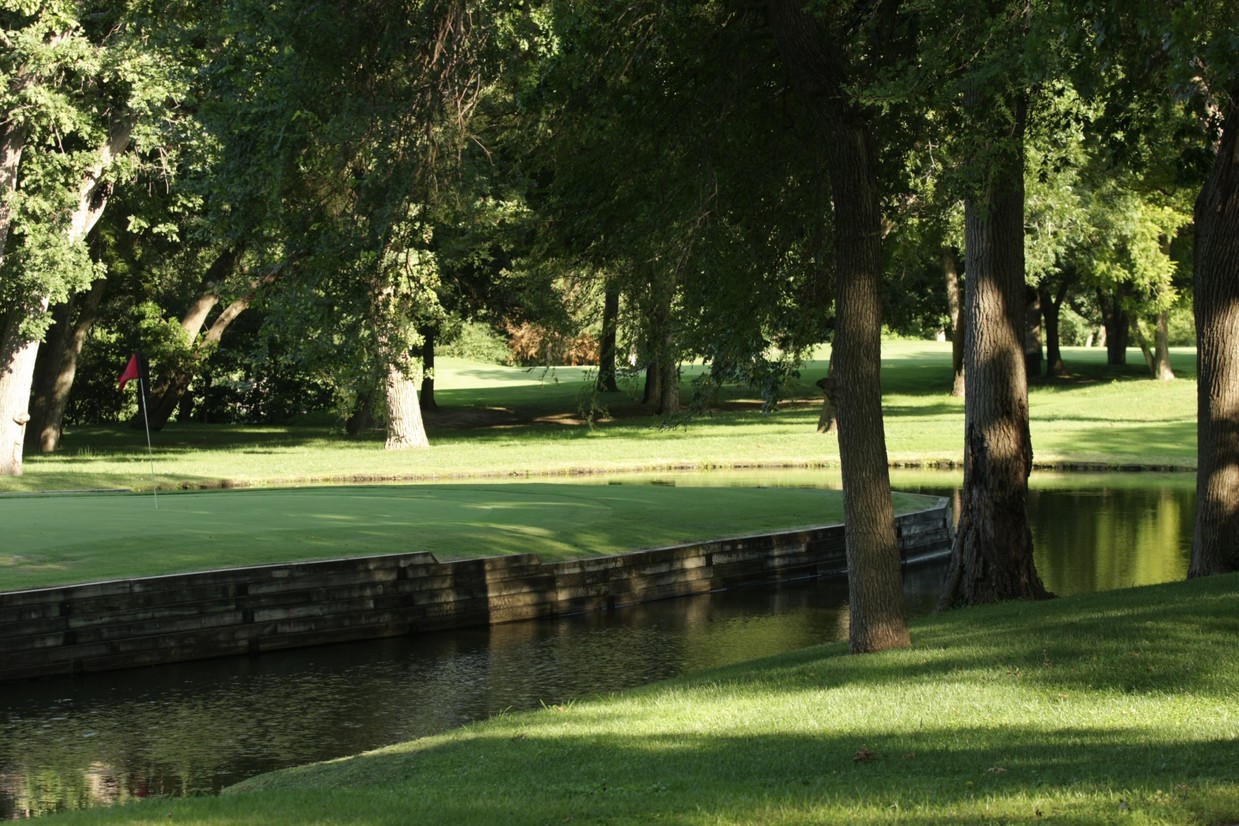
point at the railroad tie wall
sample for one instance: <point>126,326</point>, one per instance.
<point>126,623</point>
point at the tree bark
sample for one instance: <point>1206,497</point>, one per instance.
<point>662,377</point>
<point>405,427</point>
<point>12,143</point>
<point>1115,322</point>
<point>992,558</point>
<point>359,421</point>
<point>878,619</point>
<point>1162,371</point>
<point>959,323</point>
<point>1145,350</point>
<point>1215,542</point>
<point>17,355</point>
<point>828,419</point>
<point>427,398</point>
<point>1052,309</point>
<point>607,349</point>
<point>51,397</point>
<point>1032,332</point>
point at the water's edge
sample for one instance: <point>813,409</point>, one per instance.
<point>104,626</point>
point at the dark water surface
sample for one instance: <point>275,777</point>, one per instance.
<point>196,727</point>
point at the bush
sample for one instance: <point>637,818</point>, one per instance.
<point>477,341</point>
<point>534,345</point>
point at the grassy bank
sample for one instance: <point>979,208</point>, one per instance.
<point>505,422</point>
<point>1109,708</point>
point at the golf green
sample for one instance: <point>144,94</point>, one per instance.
<point>72,538</point>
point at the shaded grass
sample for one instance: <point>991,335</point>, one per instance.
<point>1108,708</point>
<point>502,422</point>
<point>57,540</point>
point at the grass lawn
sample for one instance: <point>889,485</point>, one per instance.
<point>1120,708</point>
<point>65,538</point>
<point>505,422</point>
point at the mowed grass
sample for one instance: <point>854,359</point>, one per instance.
<point>1118,708</point>
<point>498,422</point>
<point>68,538</point>
<point>1110,708</point>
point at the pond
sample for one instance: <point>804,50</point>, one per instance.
<point>197,727</point>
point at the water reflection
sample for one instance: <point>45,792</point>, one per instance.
<point>1102,538</point>
<point>196,727</point>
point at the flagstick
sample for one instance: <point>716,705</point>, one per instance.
<point>149,452</point>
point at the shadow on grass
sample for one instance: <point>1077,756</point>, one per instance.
<point>186,436</point>
<point>1091,710</point>
<point>969,774</point>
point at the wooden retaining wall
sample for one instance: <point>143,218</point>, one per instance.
<point>126,623</point>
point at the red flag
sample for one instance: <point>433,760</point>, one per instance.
<point>131,372</point>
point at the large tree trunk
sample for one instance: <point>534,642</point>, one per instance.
<point>992,558</point>
<point>51,397</point>
<point>17,355</point>
<point>959,322</point>
<point>607,349</point>
<point>12,143</point>
<point>878,619</point>
<point>360,419</point>
<point>405,428</point>
<point>1215,543</point>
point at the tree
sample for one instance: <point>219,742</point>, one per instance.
<point>1215,543</point>
<point>84,97</point>
<point>992,558</point>
<point>816,60</point>
<point>644,179</point>
<point>28,298</point>
<point>1178,64</point>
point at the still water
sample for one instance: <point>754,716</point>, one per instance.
<point>197,727</point>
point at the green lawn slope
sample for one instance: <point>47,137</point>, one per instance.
<point>1110,708</point>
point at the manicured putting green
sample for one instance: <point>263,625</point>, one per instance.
<point>62,539</point>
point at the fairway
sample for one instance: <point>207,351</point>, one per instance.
<point>73,538</point>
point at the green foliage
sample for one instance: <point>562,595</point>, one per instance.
<point>477,341</point>
<point>647,148</point>
<point>89,99</point>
